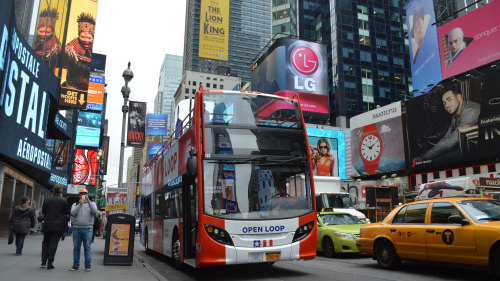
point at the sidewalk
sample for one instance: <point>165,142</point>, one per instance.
<point>27,266</point>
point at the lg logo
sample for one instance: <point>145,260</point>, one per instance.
<point>304,60</point>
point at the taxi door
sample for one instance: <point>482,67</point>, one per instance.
<point>447,242</point>
<point>407,232</point>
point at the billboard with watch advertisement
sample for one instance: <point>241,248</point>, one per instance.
<point>290,67</point>
<point>471,40</point>
<point>327,149</point>
<point>458,124</point>
<point>377,143</point>
<point>424,48</point>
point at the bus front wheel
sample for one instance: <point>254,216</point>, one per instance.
<point>176,251</point>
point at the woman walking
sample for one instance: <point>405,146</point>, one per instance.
<point>21,221</point>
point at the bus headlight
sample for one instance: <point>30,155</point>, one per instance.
<point>303,231</point>
<point>218,234</point>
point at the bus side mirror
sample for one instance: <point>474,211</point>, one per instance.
<point>192,165</point>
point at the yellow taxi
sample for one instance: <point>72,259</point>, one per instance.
<point>456,230</point>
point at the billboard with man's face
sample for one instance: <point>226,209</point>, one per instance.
<point>424,49</point>
<point>291,67</point>
<point>459,124</point>
<point>471,40</point>
<point>377,143</point>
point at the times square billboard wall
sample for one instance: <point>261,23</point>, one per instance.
<point>424,48</point>
<point>327,148</point>
<point>377,142</point>
<point>291,67</point>
<point>214,29</point>
<point>471,40</point>
<point>448,130</point>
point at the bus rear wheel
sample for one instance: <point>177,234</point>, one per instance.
<point>176,251</point>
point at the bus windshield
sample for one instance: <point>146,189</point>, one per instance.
<point>251,110</point>
<point>257,188</point>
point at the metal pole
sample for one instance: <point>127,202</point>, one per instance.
<point>125,92</point>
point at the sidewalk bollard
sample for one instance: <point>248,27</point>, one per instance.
<point>119,249</point>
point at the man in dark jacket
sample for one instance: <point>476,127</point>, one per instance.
<point>56,214</point>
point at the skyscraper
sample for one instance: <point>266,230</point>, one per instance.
<point>249,32</point>
<point>170,77</point>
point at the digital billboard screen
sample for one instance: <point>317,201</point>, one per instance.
<point>377,143</point>
<point>88,130</point>
<point>327,148</point>
<point>471,40</point>
<point>156,124</point>
<point>424,48</point>
<point>95,95</point>
<point>153,149</point>
<point>291,67</point>
<point>456,125</point>
<point>85,167</point>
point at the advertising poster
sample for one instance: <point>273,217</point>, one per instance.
<point>136,123</point>
<point>424,48</point>
<point>377,143</point>
<point>88,130</point>
<point>458,124</point>
<point>98,63</point>
<point>214,29</point>
<point>327,148</point>
<point>95,95</point>
<point>85,167</point>
<point>324,156</point>
<point>77,54</point>
<point>306,72</point>
<point>156,124</point>
<point>26,90</point>
<point>116,203</point>
<point>153,149</point>
<point>49,33</point>
<point>471,40</point>
<point>119,239</point>
<point>105,151</point>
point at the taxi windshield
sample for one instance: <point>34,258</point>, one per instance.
<point>339,219</point>
<point>482,210</point>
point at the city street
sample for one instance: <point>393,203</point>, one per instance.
<point>358,267</point>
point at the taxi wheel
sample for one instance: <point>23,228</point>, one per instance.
<point>328,247</point>
<point>386,255</point>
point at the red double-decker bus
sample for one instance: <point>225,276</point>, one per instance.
<point>233,184</point>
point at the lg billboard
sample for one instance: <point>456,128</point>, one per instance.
<point>377,143</point>
<point>291,67</point>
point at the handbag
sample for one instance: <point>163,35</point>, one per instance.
<point>11,236</point>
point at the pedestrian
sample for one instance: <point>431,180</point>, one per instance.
<point>55,217</point>
<point>97,222</point>
<point>83,213</point>
<point>21,221</point>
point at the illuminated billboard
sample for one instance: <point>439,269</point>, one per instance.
<point>291,67</point>
<point>214,29</point>
<point>95,95</point>
<point>153,149</point>
<point>377,143</point>
<point>136,123</point>
<point>85,166</point>
<point>77,54</point>
<point>88,130</point>
<point>470,41</point>
<point>327,148</point>
<point>459,124</point>
<point>156,124</point>
<point>424,48</point>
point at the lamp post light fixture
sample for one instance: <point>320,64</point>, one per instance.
<point>127,76</point>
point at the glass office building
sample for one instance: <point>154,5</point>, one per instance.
<point>249,32</point>
<point>170,77</point>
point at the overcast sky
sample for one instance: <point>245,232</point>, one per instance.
<point>141,32</point>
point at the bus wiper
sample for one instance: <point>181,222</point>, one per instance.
<point>242,160</point>
<point>277,161</point>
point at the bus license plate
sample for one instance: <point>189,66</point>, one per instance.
<point>273,256</point>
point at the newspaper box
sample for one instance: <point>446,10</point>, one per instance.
<point>119,249</point>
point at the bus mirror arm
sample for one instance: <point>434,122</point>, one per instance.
<point>192,165</point>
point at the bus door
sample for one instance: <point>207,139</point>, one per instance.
<point>190,218</point>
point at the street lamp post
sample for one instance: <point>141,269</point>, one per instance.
<point>127,76</point>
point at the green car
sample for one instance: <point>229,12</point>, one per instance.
<point>337,233</point>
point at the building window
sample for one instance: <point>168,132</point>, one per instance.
<point>349,70</point>
<point>383,76</point>
<point>379,27</point>
<point>449,174</point>
<point>348,53</point>
<point>186,91</point>
<point>380,42</point>
<point>461,172</point>
<point>189,82</point>
<point>384,92</point>
<point>396,31</point>
<point>221,86</point>
<point>379,13</point>
<point>424,178</point>
<point>186,97</point>
<point>476,170</point>
<point>382,58</point>
<point>395,3</point>
<point>347,35</point>
<point>346,19</point>
<point>365,56</point>
<point>436,175</point>
<point>367,88</point>
<point>396,17</point>
<point>208,78</point>
<point>194,83</point>
<point>193,91</point>
<point>208,85</point>
<point>215,79</point>
<point>214,86</point>
<point>492,168</point>
<point>398,61</point>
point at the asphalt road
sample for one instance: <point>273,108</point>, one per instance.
<point>357,267</point>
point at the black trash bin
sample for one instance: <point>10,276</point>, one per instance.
<point>119,249</point>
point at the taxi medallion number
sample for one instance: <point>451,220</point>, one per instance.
<point>273,256</point>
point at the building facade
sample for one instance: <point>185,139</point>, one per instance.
<point>170,77</point>
<point>249,32</point>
